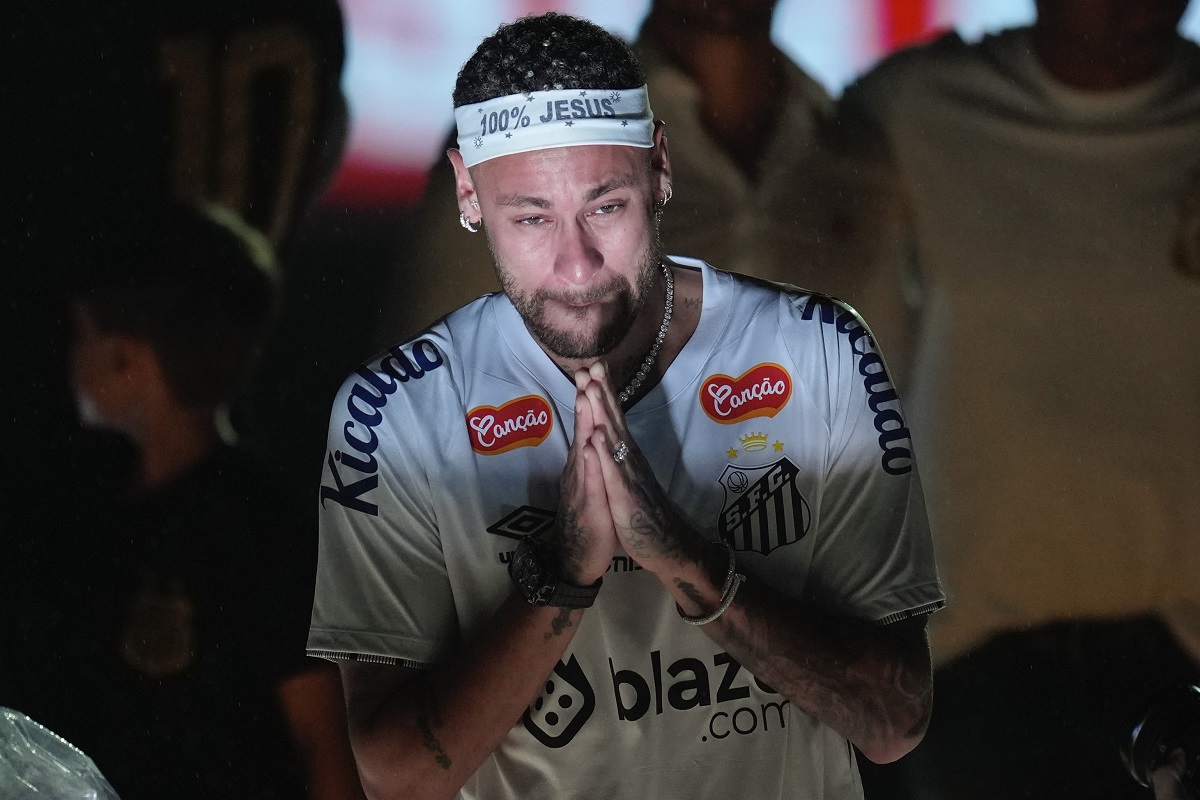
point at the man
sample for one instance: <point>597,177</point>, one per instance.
<point>646,444</point>
<point>230,101</point>
<point>748,196</point>
<point>128,104</point>
<point>159,633</point>
<point>1049,177</point>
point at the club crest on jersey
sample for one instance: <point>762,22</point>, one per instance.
<point>760,391</point>
<point>763,507</point>
<point>523,422</point>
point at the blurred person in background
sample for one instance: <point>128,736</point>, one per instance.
<point>163,633</point>
<point>1037,195</point>
<point>125,105</point>
<point>236,102</point>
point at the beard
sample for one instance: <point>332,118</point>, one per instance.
<point>584,340</point>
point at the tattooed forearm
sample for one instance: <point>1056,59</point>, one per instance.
<point>559,623</point>
<point>429,718</point>
<point>868,683</point>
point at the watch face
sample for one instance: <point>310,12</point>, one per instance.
<point>530,572</point>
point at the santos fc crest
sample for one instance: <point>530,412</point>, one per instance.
<point>763,507</point>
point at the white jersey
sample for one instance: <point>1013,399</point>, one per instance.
<point>775,428</point>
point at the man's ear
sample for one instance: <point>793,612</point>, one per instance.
<point>660,163</point>
<point>464,188</point>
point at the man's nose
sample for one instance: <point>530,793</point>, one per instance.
<point>577,254</point>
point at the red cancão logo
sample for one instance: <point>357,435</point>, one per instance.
<point>524,422</point>
<point>760,391</point>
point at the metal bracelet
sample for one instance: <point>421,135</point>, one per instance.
<point>728,591</point>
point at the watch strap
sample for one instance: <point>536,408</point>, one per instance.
<point>534,573</point>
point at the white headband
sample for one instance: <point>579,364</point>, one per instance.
<point>519,123</point>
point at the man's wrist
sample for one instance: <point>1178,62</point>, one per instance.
<point>729,586</point>
<point>535,573</point>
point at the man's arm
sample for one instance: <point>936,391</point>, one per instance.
<point>872,684</point>
<point>312,706</point>
<point>422,735</point>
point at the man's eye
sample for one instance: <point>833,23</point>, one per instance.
<point>608,208</point>
<point>531,221</point>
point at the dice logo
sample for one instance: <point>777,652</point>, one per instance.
<point>563,707</point>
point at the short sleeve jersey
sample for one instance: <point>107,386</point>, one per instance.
<point>775,429</point>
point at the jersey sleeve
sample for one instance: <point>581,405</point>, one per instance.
<point>382,591</point>
<point>874,556</point>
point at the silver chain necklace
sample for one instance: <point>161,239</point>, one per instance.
<point>648,361</point>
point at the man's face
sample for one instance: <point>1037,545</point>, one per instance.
<point>720,16</point>
<point>573,234</point>
<point>96,374</point>
<point>1116,29</point>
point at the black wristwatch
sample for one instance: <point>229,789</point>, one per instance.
<point>534,571</point>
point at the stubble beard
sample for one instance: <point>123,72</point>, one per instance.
<point>627,302</point>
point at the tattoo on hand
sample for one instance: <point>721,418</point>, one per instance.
<point>427,720</point>
<point>572,540</point>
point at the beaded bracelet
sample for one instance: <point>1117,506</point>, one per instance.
<point>732,581</point>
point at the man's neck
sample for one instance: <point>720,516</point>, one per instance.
<point>173,442</point>
<point>1097,66</point>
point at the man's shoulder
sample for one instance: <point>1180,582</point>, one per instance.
<point>911,74</point>
<point>741,288</point>
<point>799,319</point>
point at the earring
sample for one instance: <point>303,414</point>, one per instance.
<point>466,223</point>
<point>474,204</point>
<point>666,198</point>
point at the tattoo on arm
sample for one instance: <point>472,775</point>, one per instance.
<point>559,623</point>
<point>690,591</point>
<point>429,718</point>
<point>866,694</point>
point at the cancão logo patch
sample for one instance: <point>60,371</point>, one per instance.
<point>760,391</point>
<point>523,422</point>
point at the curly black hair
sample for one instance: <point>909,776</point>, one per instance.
<point>544,52</point>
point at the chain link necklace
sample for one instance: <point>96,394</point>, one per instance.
<point>648,361</point>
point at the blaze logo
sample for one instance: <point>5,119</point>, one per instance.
<point>722,691</point>
<point>524,422</point>
<point>760,391</point>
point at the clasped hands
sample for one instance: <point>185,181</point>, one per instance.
<point>605,502</point>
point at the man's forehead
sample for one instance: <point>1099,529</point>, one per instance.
<point>583,171</point>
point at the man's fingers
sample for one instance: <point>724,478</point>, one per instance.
<point>606,411</point>
<point>593,474</point>
<point>611,475</point>
<point>585,420</point>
